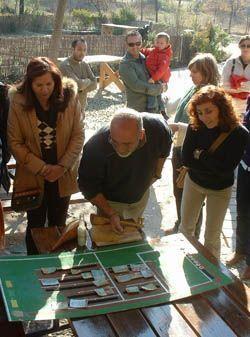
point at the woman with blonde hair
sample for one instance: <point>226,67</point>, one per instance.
<point>214,144</point>
<point>203,70</point>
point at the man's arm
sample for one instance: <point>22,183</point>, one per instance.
<point>90,180</point>
<point>68,72</point>
<point>130,78</point>
<point>102,203</point>
<point>91,76</point>
<point>158,169</point>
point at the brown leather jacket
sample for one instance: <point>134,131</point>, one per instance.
<point>24,142</point>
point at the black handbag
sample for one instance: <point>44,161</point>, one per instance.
<point>26,200</point>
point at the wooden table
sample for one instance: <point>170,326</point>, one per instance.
<point>219,313</point>
<point>107,75</point>
<point>222,312</point>
<point>108,28</point>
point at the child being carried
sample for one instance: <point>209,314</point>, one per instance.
<point>157,62</point>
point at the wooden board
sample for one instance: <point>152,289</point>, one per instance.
<point>53,237</point>
<point>104,235</point>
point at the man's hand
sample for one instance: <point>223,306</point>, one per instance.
<point>115,223</point>
<point>151,81</point>
<point>164,87</point>
<point>53,173</point>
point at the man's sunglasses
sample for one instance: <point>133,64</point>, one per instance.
<point>244,45</point>
<point>132,44</point>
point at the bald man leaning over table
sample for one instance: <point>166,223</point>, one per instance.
<point>121,161</point>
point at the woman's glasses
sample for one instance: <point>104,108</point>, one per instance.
<point>244,45</point>
<point>132,44</point>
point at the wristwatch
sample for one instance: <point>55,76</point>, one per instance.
<point>197,153</point>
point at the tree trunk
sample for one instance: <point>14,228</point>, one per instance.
<point>231,16</point>
<point>21,7</point>
<point>178,17</point>
<point>248,22</point>
<point>156,10</point>
<point>16,6</point>
<point>141,10</point>
<point>57,30</point>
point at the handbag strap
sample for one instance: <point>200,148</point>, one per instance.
<point>233,66</point>
<point>218,141</point>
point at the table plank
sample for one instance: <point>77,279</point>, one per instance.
<point>130,324</point>
<point>92,327</point>
<point>238,320</point>
<point>167,321</point>
<point>202,318</point>
<point>237,290</point>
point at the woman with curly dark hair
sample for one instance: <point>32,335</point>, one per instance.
<point>203,71</point>
<point>214,144</point>
<point>46,135</point>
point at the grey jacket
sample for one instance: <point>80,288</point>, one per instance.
<point>135,77</point>
<point>82,74</point>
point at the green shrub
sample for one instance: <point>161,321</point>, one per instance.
<point>86,18</point>
<point>211,39</point>
<point>83,16</point>
<point>7,10</point>
<point>123,16</point>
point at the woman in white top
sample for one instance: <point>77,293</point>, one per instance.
<point>236,76</point>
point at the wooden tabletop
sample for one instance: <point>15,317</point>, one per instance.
<point>222,312</point>
<point>97,59</point>
<point>113,25</point>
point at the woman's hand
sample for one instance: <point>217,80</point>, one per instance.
<point>197,153</point>
<point>174,127</point>
<point>54,172</point>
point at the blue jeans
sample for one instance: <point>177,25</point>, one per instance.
<point>243,213</point>
<point>152,101</point>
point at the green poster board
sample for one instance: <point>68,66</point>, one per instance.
<point>174,270</point>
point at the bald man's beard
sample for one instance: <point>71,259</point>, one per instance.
<point>125,155</point>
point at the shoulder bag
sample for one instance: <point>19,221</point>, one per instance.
<point>183,169</point>
<point>26,200</point>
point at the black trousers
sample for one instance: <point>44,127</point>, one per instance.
<point>53,208</point>
<point>176,164</point>
<point>243,213</point>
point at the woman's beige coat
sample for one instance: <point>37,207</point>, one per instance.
<point>24,143</point>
